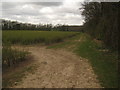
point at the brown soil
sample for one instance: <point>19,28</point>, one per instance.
<point>58,69</point>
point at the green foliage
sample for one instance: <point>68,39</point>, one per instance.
<point>32,37</point>
<point>103,62</point>
<point>102,22</point>
<point>15,25</point>
<point>11,57</point>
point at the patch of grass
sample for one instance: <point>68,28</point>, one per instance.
<point>104,63</point>
<point>66,43</point>
<point>11,57</point>
<point>59,45</point>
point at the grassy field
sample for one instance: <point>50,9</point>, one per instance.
<point>11,57</point>
<point>103,60</point>
<point>33,37</point>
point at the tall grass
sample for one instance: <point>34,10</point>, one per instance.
<point>11,57</point>
<point>32,37</point>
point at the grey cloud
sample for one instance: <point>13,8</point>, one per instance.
<point>14,8</point>
<point>46,3</point>
<point>52,12</point>
<point>8,5</point>
<point>10,8</point>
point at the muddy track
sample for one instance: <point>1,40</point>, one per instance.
<point>59,69</point>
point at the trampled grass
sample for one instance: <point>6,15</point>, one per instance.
<point>33,37</point>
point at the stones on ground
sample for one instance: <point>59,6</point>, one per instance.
<point>44,63</point>
<point>65,69</point>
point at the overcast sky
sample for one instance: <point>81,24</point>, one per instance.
<point>62,12</point>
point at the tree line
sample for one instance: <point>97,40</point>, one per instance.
<point>15,25</point>
<point>101,21</point>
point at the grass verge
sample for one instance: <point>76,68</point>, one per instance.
<point>103,61</point>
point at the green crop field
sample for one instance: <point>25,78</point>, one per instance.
<point>82,44</point>
<point>11,56</point>
<point>32,37</point>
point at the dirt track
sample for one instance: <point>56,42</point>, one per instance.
<point>59,69</point>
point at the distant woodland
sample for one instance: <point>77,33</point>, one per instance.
<point>15,25</point>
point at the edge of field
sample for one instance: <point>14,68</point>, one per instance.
<point>98,55</point>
